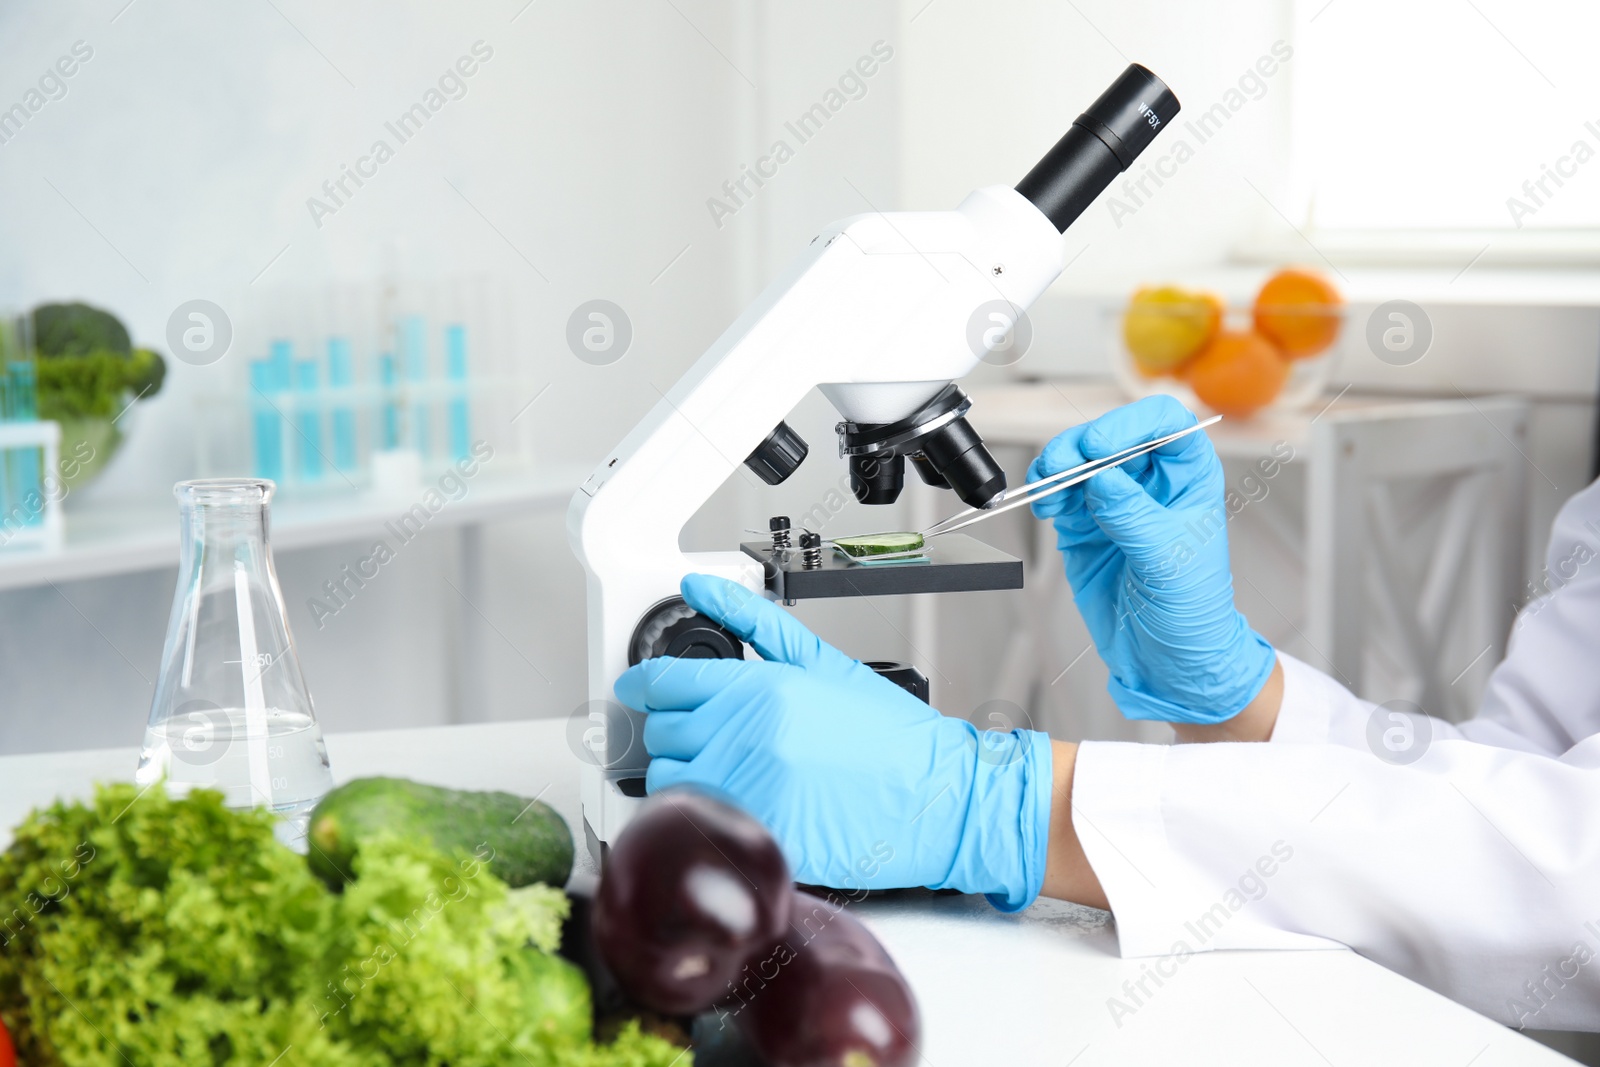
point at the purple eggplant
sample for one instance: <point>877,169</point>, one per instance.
<point>691,889</point>
<point>828,995</point>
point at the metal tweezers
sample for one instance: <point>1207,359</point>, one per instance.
<point>1055,483</point>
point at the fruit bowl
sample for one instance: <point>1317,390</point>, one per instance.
<point>1277,352</point>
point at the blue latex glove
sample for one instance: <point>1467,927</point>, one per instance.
<point>863,785</point>
<point>1146,549</point>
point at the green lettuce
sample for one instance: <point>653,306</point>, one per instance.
<point>141,929</point>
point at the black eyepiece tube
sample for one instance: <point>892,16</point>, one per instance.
<point>1102,143</point>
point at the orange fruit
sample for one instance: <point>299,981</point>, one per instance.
<point>1164,326</point>
<point>1237,373</point>
<point>1298,310</point>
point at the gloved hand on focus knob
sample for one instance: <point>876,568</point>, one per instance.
<point>863,785</point>
<point>1146,549</point>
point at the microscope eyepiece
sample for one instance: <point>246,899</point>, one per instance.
<point>1102,143</point>
<point>1128,115</point>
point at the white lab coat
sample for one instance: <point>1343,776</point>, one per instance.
<point>1474,870</point>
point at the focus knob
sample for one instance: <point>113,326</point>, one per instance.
<point>779,456</point>
<point>673,628</point>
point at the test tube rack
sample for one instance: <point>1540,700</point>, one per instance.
<point>30,497</point>
<point>341,383</point>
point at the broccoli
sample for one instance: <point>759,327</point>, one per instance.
<point>87,365</point>
<point>77,330</point>
<point>146,371</point>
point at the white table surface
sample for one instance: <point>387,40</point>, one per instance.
<point>994,989</point>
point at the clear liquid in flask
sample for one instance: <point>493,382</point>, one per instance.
<point>231,710</point>
<point>277,761</point>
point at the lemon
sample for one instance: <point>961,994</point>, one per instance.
<point>1164,326</point>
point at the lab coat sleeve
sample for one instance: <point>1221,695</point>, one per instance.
<point>1543,697</point>
<point>1474,871</point>
<point>1318,710</point>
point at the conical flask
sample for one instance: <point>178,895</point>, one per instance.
<point>231,709</point>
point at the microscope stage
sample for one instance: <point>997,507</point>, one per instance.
<point>954,563</point>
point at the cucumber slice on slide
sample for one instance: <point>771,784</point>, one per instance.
<point>878,544</point>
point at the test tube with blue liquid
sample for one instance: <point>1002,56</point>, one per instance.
<point>414,365</point>
<point>308,419</point>
<point>11,347</point>
<point>341,378</point>
<point>389,411</point>
<point>268,378</point>
<point>21,472</point>
<point>5,467</point>
<point>281,355</point>
<point>455,348</point>
<point>24,474</point>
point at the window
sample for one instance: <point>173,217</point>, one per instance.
<point>1448,123</point>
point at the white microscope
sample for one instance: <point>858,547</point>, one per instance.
<point>875,313</point>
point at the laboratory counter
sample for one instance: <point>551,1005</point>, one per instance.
<point>1045,986</point>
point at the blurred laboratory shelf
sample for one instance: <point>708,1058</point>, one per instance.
<point>1045,986</point>
<point>1380,473</point>
<point>1506,287</point>
<point>1528,332</point>
<point>118,538</point>
<point>1028,413</point>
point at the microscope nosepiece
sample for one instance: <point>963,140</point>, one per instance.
<point>946,451</point>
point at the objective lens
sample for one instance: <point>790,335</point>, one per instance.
<point>927,471</point>
<point>957,452</point>
<point>878,478</point>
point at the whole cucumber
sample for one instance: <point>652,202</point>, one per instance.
<point>521,841</point>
